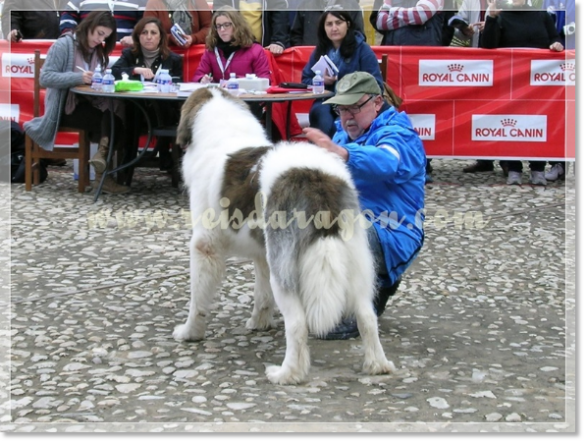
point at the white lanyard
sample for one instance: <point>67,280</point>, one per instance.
<point>221,65</point>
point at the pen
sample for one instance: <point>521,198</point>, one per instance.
<point>81,69</point>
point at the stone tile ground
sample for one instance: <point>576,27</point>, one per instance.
<point>482,329</point>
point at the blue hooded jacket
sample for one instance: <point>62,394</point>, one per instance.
<point>388,167</point>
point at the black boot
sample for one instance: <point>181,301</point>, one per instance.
<point>380,301</point>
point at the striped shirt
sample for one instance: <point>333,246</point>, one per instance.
<point>394,17</point>
<point>126,13</point>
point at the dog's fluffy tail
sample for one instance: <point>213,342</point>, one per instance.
<point>324,271</point>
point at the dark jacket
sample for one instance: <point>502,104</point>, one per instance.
<point>527,28</point>
<point>275,20</point>
<point>34,19</point>
<point>304,29</point>
<point>128,61</point>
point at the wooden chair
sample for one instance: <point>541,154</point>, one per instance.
<point>34,153</point>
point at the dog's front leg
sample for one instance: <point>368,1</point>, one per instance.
<point>207,267</point>
<point>296,364</point>
<point>262,312</point>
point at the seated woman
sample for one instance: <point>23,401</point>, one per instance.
<point>345,46</point>
<point>91,44</point>
<point>230,47</point>
<point>149,53</point>
<point>193,16</point>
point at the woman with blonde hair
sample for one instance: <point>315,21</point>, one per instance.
<point>230,48</point>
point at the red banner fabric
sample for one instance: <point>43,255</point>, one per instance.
<point>464,102</point>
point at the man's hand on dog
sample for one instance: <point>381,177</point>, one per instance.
<point>322,140</point>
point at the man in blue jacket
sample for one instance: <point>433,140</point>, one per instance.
<point>387,161</point>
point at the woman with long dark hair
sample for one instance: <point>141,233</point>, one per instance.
<point>345,46</point>
<point>90,46</point>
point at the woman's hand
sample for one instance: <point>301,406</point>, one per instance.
<point>492,9</point>
<point>330,80</point>
<point>146,73</point>
<point>206,79</point>
<point>126,42</point>
<point>477,27</point>
<point>87,77</point>
<point>556,46</point>
<point>275,49</point>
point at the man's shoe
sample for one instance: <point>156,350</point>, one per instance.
<point>514,178</point>
<point>556,171</point>
<point>346,329</point>
<point>479,166</point>
<point>538,178</point>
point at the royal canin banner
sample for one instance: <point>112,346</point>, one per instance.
<point>464,103</point>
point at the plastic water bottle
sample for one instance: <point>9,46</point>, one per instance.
<point>108,82</point>
<point>233,86</point>
<point>97,79</point>
<point>318,83</point>
<point>165,81</point>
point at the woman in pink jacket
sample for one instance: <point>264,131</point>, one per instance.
<point>230,47</point>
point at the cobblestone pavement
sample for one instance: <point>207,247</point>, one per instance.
<point>482,328</point>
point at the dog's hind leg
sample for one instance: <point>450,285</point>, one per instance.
<point>296,364</point>
<point>375,361</point>
<point>207,267</point>
<point>360,291</point>
<point>262,312</point>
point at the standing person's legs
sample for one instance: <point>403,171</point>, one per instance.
<point>538,173</point>
<point>515,169</point>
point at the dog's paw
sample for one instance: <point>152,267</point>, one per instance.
<point>379,367</point>
<point>186,333</point>
<point>260,324</point>
<point>283,376</point>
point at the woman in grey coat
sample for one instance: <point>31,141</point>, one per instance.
<point>90,46</point>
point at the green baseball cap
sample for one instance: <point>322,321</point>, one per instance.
<point>352,87</point>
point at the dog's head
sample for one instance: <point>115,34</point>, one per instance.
<point>193,105</point>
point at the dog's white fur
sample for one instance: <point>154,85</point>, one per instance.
<point>335,277</point>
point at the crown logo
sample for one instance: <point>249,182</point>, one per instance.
<point>567,67</point>
<point>30,60</point>
<point>455,67</point>
<point>509,122</point>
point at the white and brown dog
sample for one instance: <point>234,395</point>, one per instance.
<point>294,211</point>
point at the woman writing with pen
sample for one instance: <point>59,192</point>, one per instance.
<point>70,62</point>
<point>230,47</point>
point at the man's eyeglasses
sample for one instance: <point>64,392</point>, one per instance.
<point>223,25</point>
<point>351,109</point>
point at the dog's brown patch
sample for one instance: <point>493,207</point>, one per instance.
<point>241,185</point>
<point>314,193</point>
<point>192,106</point>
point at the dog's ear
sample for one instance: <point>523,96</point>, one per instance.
<point>189,112</point>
